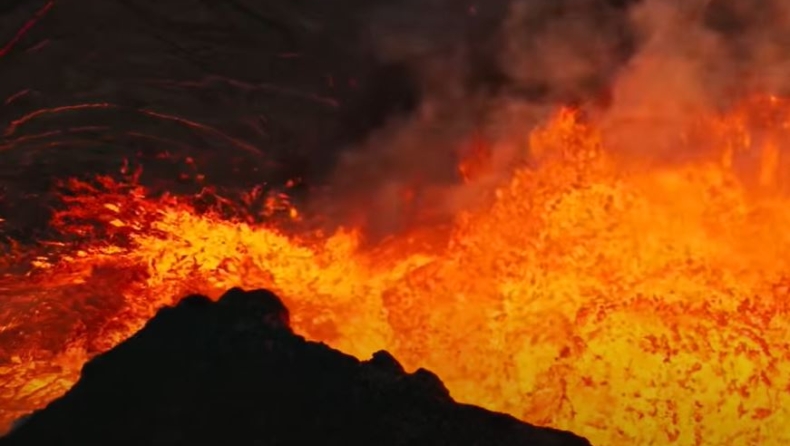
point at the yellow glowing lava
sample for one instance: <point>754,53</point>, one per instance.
<point>632,306</point>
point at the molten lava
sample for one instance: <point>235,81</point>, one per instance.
<point>631,304</point>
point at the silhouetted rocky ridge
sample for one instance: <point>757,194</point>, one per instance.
<point>232,372</point>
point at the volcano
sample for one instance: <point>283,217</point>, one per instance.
<point>572,212</point>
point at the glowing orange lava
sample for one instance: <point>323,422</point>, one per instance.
<point>631,305</point>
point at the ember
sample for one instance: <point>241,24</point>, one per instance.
<point>630,306</point>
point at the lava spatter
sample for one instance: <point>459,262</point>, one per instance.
<point>631,306</point>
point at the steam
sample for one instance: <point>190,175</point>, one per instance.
<point>498,68</point>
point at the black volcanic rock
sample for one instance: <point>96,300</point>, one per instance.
<point>233,373</point>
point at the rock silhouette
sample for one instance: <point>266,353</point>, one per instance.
<point>232,372</point>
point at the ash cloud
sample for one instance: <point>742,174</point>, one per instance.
<point>499,67</point>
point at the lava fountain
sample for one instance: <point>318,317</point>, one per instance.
<point>631,304</point>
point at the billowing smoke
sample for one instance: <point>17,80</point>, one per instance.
<point>755,43</point>
<point>479,69</point>
<point>693,57</point>
<point>641,68</point>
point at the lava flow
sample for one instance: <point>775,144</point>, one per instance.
<point>630,304</point>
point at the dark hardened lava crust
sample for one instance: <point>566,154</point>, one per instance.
<point>233,373</point>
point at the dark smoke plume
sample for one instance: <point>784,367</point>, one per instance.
<point>642,68</point>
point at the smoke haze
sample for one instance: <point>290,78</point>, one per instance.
<point>640,68</point>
